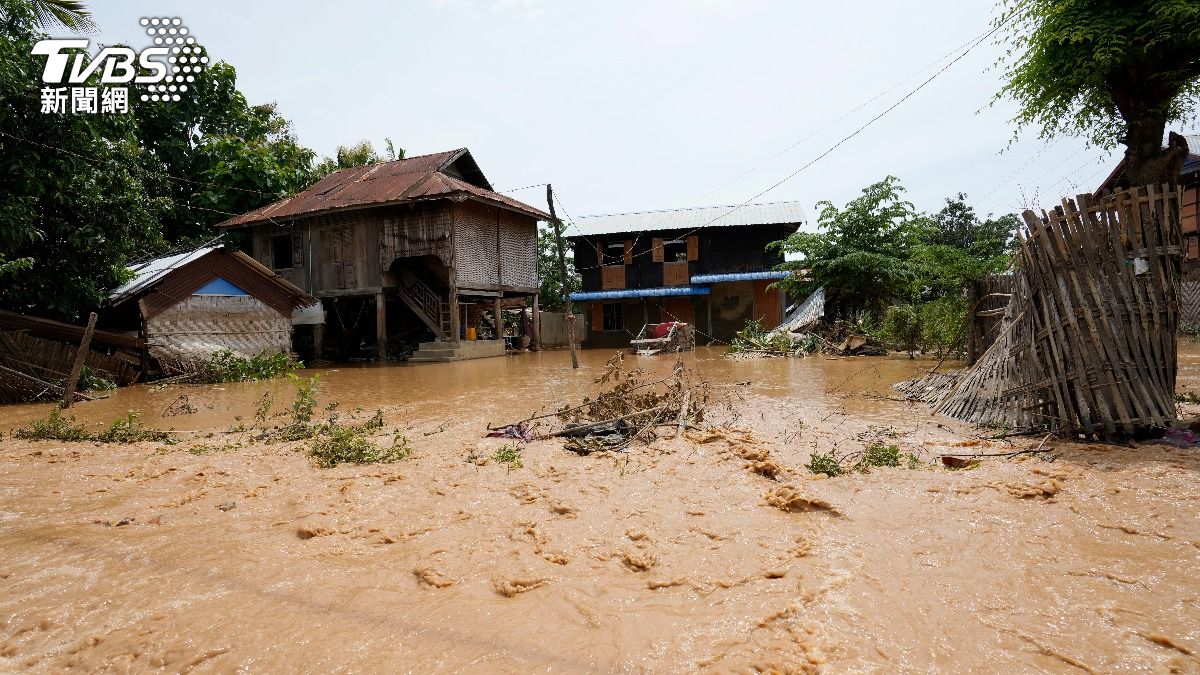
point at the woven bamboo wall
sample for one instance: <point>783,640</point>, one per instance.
<point>1088,342</point>
<point>494,247</point>
<point>203,324</point>
<point>1189,306</point>
<point>415,230</point>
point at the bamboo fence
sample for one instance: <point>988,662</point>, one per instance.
<point>1087,344</point>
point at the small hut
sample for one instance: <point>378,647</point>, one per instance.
<point>191,305</point>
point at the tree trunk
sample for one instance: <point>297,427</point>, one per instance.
<point>1144,109</point>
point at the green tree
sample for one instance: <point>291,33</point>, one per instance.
<point>73,202</point>
<point>551,294</point>
<point>72,15</point>
<point>359,154</point>
<point>861,253</point>
<point>1111,71</point>
<point>213,154</point>
<point>958,247</point>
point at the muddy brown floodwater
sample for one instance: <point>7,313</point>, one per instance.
<point>222,554</point>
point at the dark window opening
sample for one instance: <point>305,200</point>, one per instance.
<point>675,251</point>
<point>612,317</point>
<point>281,251</point>
<point>614,254</point>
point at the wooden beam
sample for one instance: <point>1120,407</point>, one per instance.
<point>535,326</point>
<point>381,325</point>
<point>80,357</point>
<point>562,268</point>
<point>499,318</point>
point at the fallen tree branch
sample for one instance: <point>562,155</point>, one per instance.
<point>585,427</point>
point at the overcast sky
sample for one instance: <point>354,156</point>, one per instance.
<point>631,106</point>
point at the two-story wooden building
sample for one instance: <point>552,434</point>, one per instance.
<point>420,245</point>
<point>706,266</point>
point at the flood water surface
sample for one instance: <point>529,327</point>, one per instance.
<point>230,553</point>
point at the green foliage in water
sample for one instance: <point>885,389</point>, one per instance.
<point>90,381</point>
<point>337,444</point>
<point>824,463</point>
<point>129,429</point>
<point>227,366</point>
<point>509,455</point>
<point>303,407</point>
<point>878,454</point>
<point>872,455</point>
<point>55,427</point>
<point>755,338</point>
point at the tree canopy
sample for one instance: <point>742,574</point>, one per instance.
<point>878,250</point>
<point>1110,71</point>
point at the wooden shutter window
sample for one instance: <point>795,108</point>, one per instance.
<point>597,317</point>
<point>693,248</point>
<point>656,250</point>
<point>628,251</point>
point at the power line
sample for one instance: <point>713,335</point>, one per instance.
<point>848,113</point>
<point>974,43</point>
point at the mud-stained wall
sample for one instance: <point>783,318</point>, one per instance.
<point>201,325</point>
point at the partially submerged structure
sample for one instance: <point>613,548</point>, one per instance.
<point>187,306</point>
<point>1087,343</point>
<point>36,356</point>
<point>416,248</point>
<point>708,267</point>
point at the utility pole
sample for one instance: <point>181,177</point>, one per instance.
<point>562,270</point>
<point>80,356</point>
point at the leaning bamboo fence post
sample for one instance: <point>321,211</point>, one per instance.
<point>84,344</point>
<point>562,269</point>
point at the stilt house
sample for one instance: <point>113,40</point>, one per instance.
<point>417,246</point>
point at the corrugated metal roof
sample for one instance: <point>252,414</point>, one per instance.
<point>422,177</point>
<point>774,213</point>
<point>151,271</point>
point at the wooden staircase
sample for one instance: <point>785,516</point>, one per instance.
<point>426,303</point>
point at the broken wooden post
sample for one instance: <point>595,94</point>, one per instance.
<point>80,356</point>
<point>562,269</point>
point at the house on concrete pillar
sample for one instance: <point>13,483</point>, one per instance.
<point>417,250</point>
<point>706,266</point>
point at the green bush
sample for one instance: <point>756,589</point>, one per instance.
<point>55,427</point>
<point>878,454</point>
<point>901,329</point>
<point>942,330</point>
<point>226,366</point>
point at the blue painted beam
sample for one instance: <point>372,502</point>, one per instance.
<point>665,292</point>
<point>739,276</point>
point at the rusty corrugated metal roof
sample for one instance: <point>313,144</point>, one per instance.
<point>415,178</point>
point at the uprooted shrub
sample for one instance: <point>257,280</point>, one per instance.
<point>755,338</point>
<point>632,406</point>
<point>861,461</point>
<point>332,441</point>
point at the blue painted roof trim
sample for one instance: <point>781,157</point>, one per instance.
<point>219,286</point>
<point>739,276</point>
<point>666,292</point>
